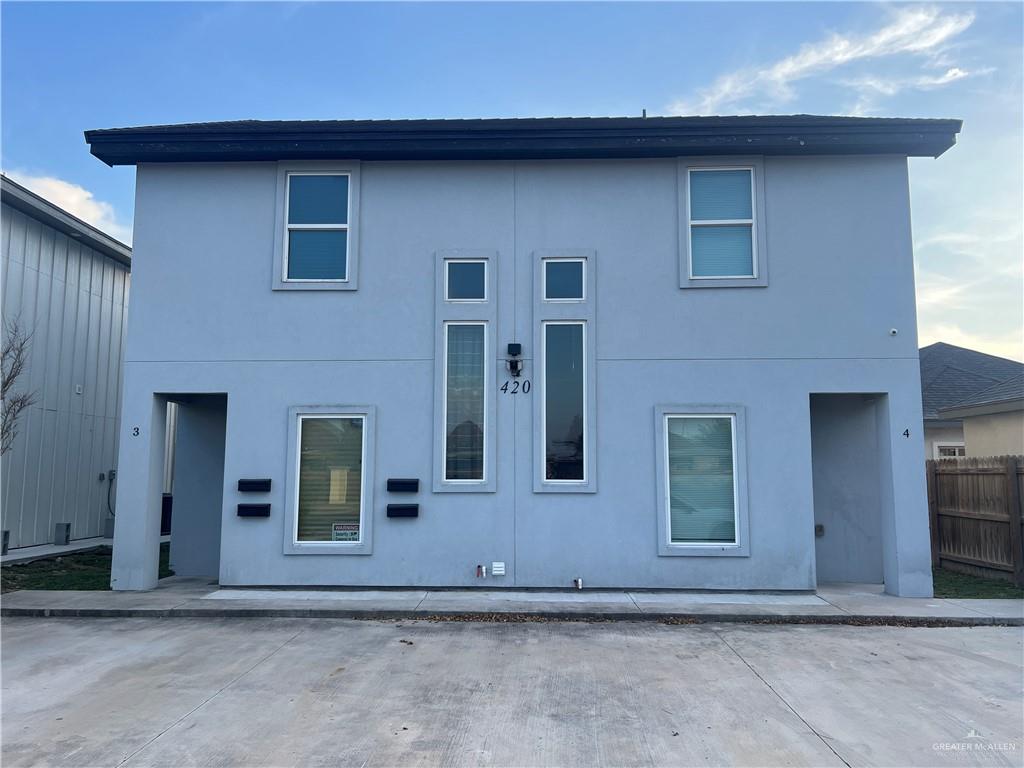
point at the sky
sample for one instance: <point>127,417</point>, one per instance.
<point>68,67</point>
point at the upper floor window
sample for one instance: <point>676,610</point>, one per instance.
<point>316,226</point>
<point>564,279</point>
<point>317,241</point>
<point>465,280</point>
<point>722,222</point>
<point>722,229</point>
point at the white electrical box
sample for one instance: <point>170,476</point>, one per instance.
<point>497,569</point>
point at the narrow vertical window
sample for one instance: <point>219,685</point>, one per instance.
<point>330,479</point>
<point>721,216</point>
<point>564,416</point>
<point>700,476</point>
<point>316,247</point>
<point>464,390</point>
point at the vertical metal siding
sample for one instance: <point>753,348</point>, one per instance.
<point>73,300</point>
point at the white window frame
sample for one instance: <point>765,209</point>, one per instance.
<point>752,221</point>
<point>759,240</point>
<point>289,228</point>
<point>740,547</point>
<point>544,404</point>
<point>474,312</point>
<point>947,444</point>
<point>444,405</point>
<point>667,487</point>
<point>447,263</point>
<point>544,279</point>
<point>279,276</point>
<point>296,415</point>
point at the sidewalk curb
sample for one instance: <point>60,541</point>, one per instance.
<point>513,617</point>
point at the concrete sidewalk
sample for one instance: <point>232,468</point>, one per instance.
<point>838,604</point>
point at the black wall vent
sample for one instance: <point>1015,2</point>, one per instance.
<point>254,510</point>
<point>403,485</point>
<point>257,485</point>
<point>403,510</point>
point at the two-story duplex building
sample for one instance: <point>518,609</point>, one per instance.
<point>647,353</point>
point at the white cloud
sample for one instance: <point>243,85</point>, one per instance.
<point>915,30</point>
<point>76,200</point>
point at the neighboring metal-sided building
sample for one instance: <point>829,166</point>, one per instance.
<point>67,284</point>
<point>623,352</point>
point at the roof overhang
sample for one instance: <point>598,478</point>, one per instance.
<point>41,209</point>
<point>983,409</point>
<point>522,138</point>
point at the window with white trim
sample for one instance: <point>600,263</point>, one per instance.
<point>564,279</point>
<point>329,504</point>
<point>564,421</point>
<point>950,450</point>
<point>465,280</point>
<point>701,479</point>
<point>317,216</point>
<point>565,416</point>
<point>721,223</point>
<point>465,412</point>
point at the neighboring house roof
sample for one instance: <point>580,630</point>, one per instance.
<point>31,204</point>
<point>523,138</point>
<point>1005,396</point>
<point>950,375</point>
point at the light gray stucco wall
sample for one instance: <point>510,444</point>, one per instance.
<point>72,299</point>
<point>841,275</point>
<point>198,486</point>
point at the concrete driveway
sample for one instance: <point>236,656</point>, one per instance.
<point>259,692</point>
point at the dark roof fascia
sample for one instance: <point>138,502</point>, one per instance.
<point>941,422</point>
<point>983,409</point>
<point>41,209</point>
<point>522,139</point>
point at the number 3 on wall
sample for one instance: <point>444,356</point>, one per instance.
<point>135,431</point>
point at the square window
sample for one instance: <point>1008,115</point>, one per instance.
<point>563,279</point>
<point>317,199</point>
<point>721,223</point>
<point>722,251</point>
<point>317,254</point>
<point>720,195</point>
<point>465,281</point>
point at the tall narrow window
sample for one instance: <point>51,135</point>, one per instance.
<point>316,247</point>
<point>330,479</point>
<point>564,402</point>
<point>464,388</point>
<point>721,218</point>
<point>701,479</point>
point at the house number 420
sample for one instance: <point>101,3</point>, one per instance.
<point>517,386</point>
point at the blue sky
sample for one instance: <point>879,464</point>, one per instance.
<point>67,67</point>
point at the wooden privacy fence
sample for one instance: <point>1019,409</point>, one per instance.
<point>974,506</point>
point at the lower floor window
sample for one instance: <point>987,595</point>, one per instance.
<point>564,401</point>
<point>465,377</point>
<point>330,472</point>
<point>701,478</point>
<point>950,451</point>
